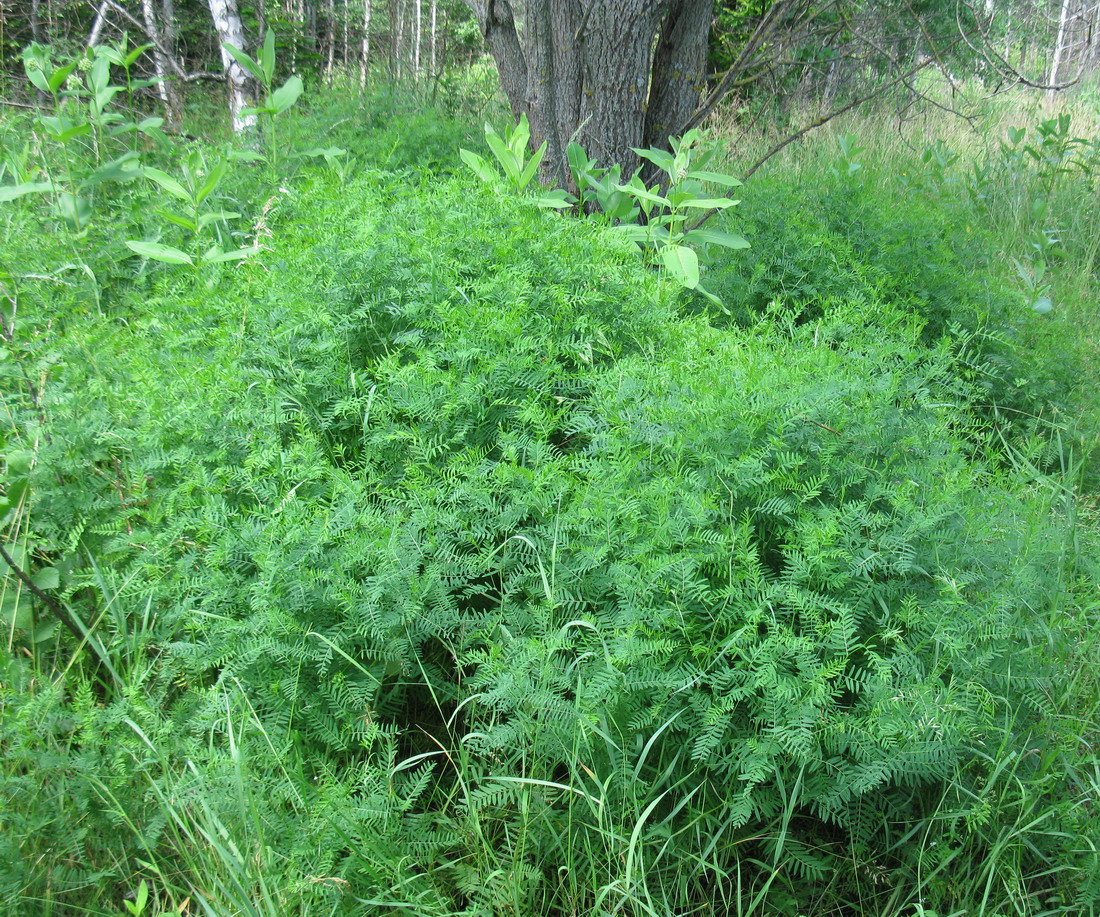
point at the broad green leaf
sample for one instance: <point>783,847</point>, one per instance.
<point>683,264</point>
<point>245,61</point>
<point>130,58</point>
<point>699,288</point>
<point>521,136</point>
<point>62,130</point>
<point>151,128</point>
<point>214,254</point>
<point>36,76</point>
<point>245,156</point>
<point>531,168</point>
<point>267,57</point>
<point>215,175</point>
<point>1043,305</point>
<point>661,159</point>
<point>16,612</point>
<point>716,178</point>
<point>481,167</point>
<point>47,578</point>
<point>158,252</point>
<point>11,192</point>
<point>579,163</point>
<point>216,216</point>
<point>287,94</point>
<point>104,96</point>
<point>634,232</point>
<point>711,203</point>
<point>189,225</point>
<point>125,168</point>
<point>74,209</point>
<point>715,237</point>
<point>58,77</point>
<point>503,154</point>
<point>169,184</point>
<point>18,553</point>
<point>329,153</point>
<point>99,75</point>
<point>644,194</point>
<point>557,199</point>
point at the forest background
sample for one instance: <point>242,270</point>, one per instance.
<point>397,519</point>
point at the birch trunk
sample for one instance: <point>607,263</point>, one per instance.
<point>435,10</point>
<point>364,50</point>
<point>330,39</point>
<point>347,17</point>
<point>1059,48</point>
<point>227,24</point>
<point>165,89</point>
<point>419,32</point>
<point>97,25</point>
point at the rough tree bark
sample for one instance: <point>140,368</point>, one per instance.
<point>227,23</point>
<point>611,74</point>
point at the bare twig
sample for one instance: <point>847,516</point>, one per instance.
<point>824,119</point>
<point>46,600</point>
<point>763,31</point>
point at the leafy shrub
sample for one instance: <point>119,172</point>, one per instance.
<point>841,237</point>
<point>612,606</point>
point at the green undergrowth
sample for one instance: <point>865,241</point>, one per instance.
<point>435,563</point>
<point>991,245</point>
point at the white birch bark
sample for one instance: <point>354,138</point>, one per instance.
<point>419,32</point>
<point>97,26</point>
<point>1059,48</point>
<point>364,51</point>
<point>435,10</point>
<point>161,66</point>
<point>330,38</point>
<point>227,23</point>
<point>347,16</point>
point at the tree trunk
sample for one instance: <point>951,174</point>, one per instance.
<point>227,23</point>
<point>364,50</point>
<point>347,45</point>
<point>1059,47</point>
<point>583,71</point>
<point>435,10</point>
<point>330,39</point>
<point>97,25</point>
<point>165,89</point>
<point>678,70</point>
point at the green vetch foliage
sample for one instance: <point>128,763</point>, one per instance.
<point>529,594</point>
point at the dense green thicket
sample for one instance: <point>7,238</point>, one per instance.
<point>906,234</point>
<point>437,563</point>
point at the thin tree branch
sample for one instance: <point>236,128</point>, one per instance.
<point>763,31</point>
<point>825,119</point>
<point>46,600</point>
